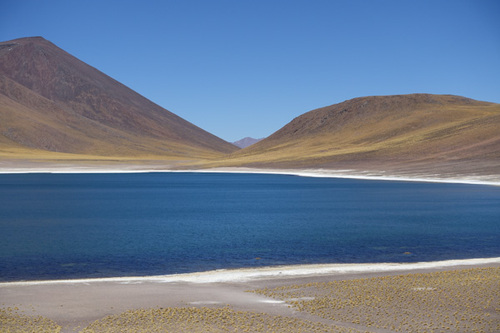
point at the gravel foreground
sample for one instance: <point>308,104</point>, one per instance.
<point>459,300</point>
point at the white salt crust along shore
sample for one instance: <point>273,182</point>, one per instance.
<point>265,273</point>
<point>493,180</point>
<point>366,175</point>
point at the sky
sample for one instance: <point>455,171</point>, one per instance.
<point>240,68</point>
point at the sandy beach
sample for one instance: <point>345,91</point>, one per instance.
<point>76,304</point>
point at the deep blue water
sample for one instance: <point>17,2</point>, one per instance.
<point>55,226</point>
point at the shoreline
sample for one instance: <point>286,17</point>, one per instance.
<point>354,174</point>
<point>244,275</point>
<point>492,180</point>
<point>76,304</point>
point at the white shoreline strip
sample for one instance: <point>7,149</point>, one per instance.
<point>353,174</point>
<point>319,173</point>
<point>247,274</point>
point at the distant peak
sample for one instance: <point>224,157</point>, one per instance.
<point>245,142</point>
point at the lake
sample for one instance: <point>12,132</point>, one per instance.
<point>60,226</point>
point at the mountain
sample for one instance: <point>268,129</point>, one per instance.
<point>417,133</point>
<point>52,103</point>
<point>245,142</point>
<point>55,107</point>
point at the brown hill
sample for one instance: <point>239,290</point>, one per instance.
<point>417,133</point>
<point>52,102</point>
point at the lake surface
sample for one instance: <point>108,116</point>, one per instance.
<point>58,226</point>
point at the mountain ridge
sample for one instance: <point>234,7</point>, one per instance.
<point>55,107</point>
<point>102,114</point>
<point>396,132</point>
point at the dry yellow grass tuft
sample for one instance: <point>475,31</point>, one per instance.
<point>453,301</point>
<point>12,320</point>
<point>205,320</point>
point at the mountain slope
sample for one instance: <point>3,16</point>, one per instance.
<point>403,132</point>
<point>52,102</point>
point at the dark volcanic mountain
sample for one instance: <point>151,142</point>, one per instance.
<point>418,133</point>
<point>51,101</point>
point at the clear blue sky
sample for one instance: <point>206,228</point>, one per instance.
<point>241,68</point>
